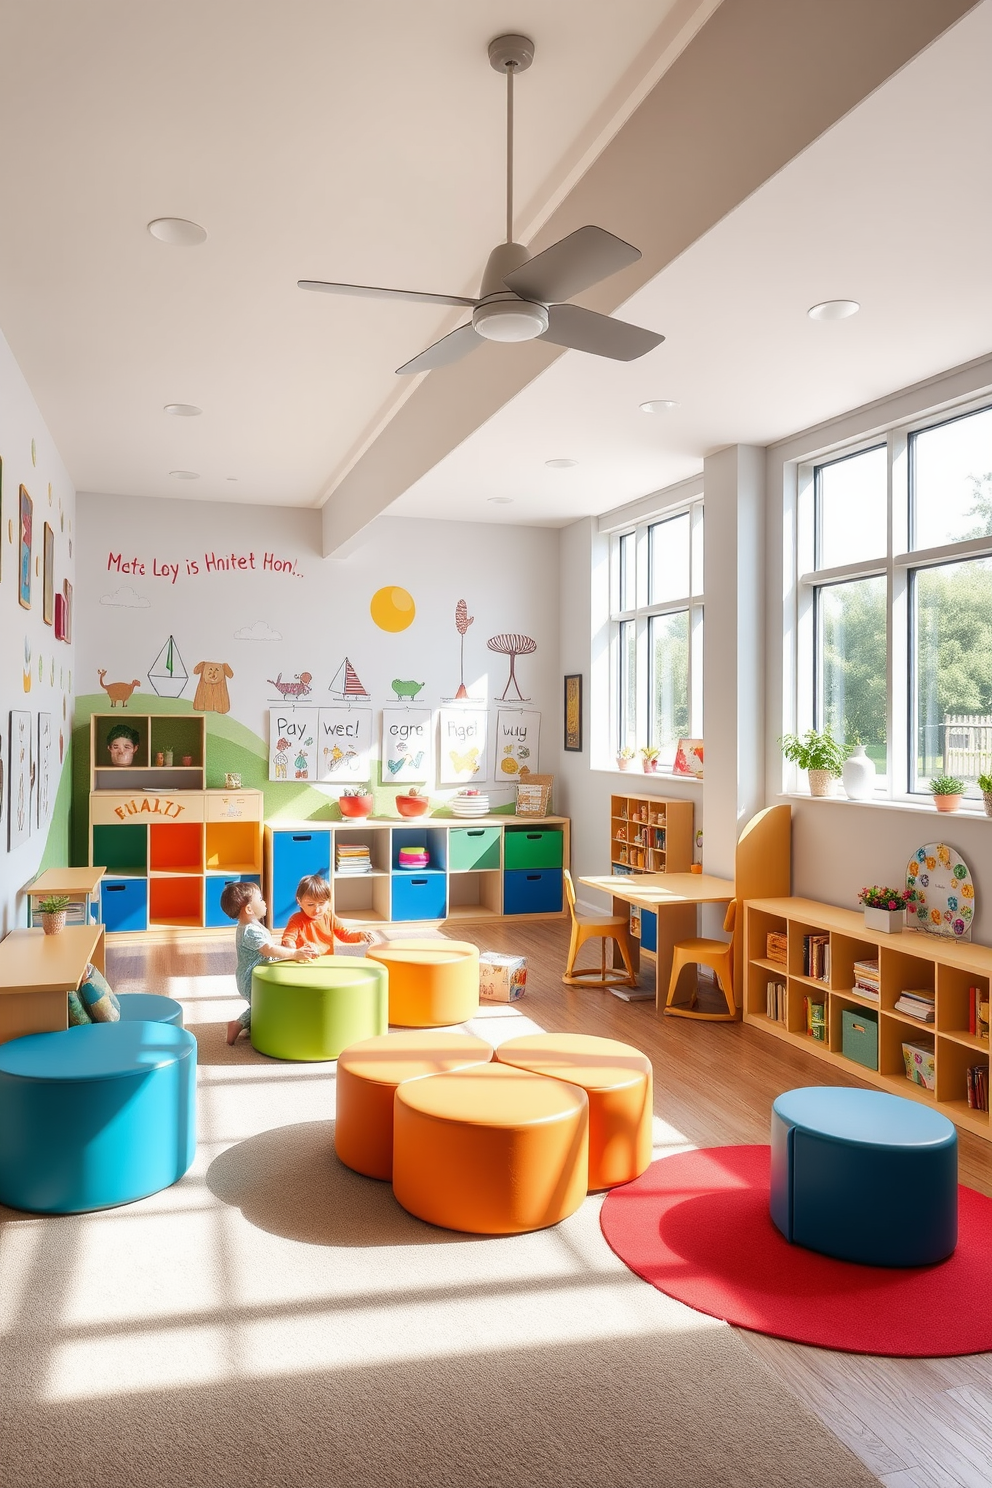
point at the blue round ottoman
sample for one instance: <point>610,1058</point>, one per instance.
<point>864,1176</point>
<point>149,1007</point>
<point>95,1116</point>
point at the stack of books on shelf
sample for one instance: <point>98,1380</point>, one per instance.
<point>978,1012</point>
<point>777,946</point>
<point>919,1005</point>
<point>866,979</point>
<point>775,1001</point>
<point>978,1087</point>
<point>816,1019</point>
<point>816,957</point>
<point>352,858</point>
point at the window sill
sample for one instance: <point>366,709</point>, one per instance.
<point>970,810</point>
<point>668,776</point>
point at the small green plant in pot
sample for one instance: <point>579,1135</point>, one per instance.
<point>649,758</point>
<point>985,786</point>
<point>51,912</point>
<point>818,754</point>
<point>625,758</point>
<point>947,791</point>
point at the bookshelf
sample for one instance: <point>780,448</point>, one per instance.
<point>649,834</point>
<point>910,962</point>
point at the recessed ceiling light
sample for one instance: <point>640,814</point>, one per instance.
<point>833,310</point>
<point>658,405</point>
<point>560,464</point>
<point>500,500</point>
<point>178,232</point>
<point>183,410</point>
<point>185,474</point>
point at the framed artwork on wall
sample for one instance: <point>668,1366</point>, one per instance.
<point>573,713</point>
<point>19,770</point>
<point>25,520</point>
<point>48,583</point>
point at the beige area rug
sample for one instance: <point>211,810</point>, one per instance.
<point>276,1320</point>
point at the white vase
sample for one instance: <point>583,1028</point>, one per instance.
<point>858,775</point>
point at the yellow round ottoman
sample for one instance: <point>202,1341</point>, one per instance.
<point>367,1076</point>
<point>616,1078</point>
<point>490,1150</point>
<point>432,983</point>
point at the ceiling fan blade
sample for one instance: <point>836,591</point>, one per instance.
<point>372,292</point>
<point>450,348</point>
<point>568,267</point>
<point>602,335</point>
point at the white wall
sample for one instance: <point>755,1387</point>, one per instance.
<point>36,671</point>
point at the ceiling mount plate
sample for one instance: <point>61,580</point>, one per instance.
<point>511,51</point>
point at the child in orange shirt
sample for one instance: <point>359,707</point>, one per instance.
<point>315,925</point>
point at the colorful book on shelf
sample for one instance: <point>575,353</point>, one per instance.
<point>775,1001</point>
<point>816,1019</point>
<point>977,1078</point>
<point>978,1012</point>
<point>816,957</point>
<point>916,1005</point>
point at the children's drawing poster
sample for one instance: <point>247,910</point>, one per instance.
<point>19,776</point>
<point>406,745</point>
<point>44,768</point>
<point>344,744</point>
<point>293,744</point>
<point>518,741</point>
<point>462,734</point>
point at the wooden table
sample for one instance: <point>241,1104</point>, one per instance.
<point>76,884</point>
<point>36,973</point>
<point>674,898</point>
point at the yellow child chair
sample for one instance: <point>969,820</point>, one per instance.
<point>597,927</point>
<point>717,954</point>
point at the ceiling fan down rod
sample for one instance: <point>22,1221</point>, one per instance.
<point>510,54</point>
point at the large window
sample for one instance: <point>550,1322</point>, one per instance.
<point>894,549</point>
<point>657,620</point>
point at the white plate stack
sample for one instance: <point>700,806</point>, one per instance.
<point>464,805</point>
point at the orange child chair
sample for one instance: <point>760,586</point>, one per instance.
<point>597,927</point>
<point>717,954</point>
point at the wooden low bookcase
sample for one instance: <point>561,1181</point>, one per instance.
<point>909,961</point>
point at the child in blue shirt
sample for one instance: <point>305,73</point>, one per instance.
<point>252,941</point>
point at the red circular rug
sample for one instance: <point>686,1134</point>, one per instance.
<point>696,1226</point>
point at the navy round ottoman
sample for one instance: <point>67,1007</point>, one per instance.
<point>95,1116</point>
<point>149,1007</point>
<point>864,1176</point>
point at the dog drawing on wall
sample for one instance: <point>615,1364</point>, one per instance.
<point>211,690</point>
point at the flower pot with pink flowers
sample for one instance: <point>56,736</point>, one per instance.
<point>885,909</point>
<point>649,760</point>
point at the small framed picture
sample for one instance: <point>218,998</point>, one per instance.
<point>689,758</point>
<point>48,582</point>
<point>573,713</point>
<point>25,518</point>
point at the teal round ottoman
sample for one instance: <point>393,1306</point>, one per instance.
<point>314,1009</point>
<point>95,1116</point>
<point>149,1007</point>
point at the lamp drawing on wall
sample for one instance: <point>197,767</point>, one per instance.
<point>168,674</point>
<point>512,646</point>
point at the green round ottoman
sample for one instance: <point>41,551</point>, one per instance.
<point>314,1009</point>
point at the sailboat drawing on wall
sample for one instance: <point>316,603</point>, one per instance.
<point>167,673</point>
<point>347,684</point>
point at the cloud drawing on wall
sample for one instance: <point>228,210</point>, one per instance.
<point>127,599</point>
<point>260,631</point>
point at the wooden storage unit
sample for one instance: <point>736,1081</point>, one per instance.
<point>909,961</point>
<point>649,834</point>
<point>496,867</point>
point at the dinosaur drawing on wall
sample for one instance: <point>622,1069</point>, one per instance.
<point>118,692</point>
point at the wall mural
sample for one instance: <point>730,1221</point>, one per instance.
<point>299,687</point>
<point>293,744</point>
<point>44,769</point>
<point>392,608</point>
<point>26,519</point>
<point>512,645</point>
<point>345,738</point>
<point>19,774</point>
<point>211,690</point>
<point>346,683</point>
<point>167,673</point>
<point>462,754</point>
<point>118,692</point>
<point>462,622</point>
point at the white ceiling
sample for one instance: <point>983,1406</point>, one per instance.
<point>365,142</point>
<point>312,139</point>
<point>890,207</point>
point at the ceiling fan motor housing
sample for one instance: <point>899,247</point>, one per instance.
<point>500,314</point>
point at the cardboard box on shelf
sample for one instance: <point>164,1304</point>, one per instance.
<point>501,978</point>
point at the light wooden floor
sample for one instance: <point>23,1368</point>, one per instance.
<point>915,1423</point>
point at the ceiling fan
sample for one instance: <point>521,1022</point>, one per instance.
<point>523,298</point>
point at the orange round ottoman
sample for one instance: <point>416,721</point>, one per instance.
<point>618,1081</point>
<point>432,983</point>
<point>490,1150</point>
<point>367,1077</point>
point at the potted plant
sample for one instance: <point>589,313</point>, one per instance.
<point>818,754</point>
<point>985,786</point>
<point>51,912</point>
<point>947,791</point>
<point>412,803</point>
<point>625,758</point>
<point>356,800</point>
<point>649,759</point>
<point>885,909</point>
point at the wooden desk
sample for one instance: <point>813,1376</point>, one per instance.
<point>36,973</point>
<point>674,898</point>
<point>75,883</point>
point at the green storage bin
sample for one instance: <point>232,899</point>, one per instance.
<point>859,1036</point>
<point>532,848</point>
<point>473,847</point>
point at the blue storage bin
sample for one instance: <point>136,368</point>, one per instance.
<point>649,930</point>
<point>124,903</point>
<point>295,855</point>
<point>419,896</point>
<point>215,886</point>
<point>532,891</point>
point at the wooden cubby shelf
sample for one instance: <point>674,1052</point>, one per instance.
<point>910,961</point>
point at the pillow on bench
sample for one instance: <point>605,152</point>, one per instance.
<point>99,1002</point>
